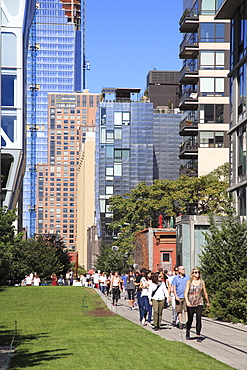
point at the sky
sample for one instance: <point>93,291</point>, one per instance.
<point>126,39</point>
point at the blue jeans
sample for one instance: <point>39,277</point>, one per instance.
<point>141,305</point>
<point>147,308</point>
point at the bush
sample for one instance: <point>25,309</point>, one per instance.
<point>230,302</point>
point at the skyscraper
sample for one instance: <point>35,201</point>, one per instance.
<point>58,69</point>
<point>16,18</point>
<point>205,93</point>
<point>133,144</point>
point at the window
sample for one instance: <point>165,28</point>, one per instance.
<point>212,32</point>
<point>117,169</point>
<point>242,201</point>
<point>241,153</point>
<point>212,59</point>
<point>242,89</point>
<point>118,133</point>
<point>210,86</point>
<point>211,139</point>
<point>121,118</point>
<point>109,189</point>
<point>211,113</point>
<point>165,257</point>
<point>109,136</point>
<point>109,151</point>
<point>8,83</point>
<point>210,6</point>
<point>9,42</point>
<point>109,171</point>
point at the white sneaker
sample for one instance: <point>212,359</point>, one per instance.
<point>143,321</point>
<point>149,324</point>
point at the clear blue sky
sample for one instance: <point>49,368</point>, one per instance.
<point>126,39</point>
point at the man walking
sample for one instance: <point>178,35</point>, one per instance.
<point>179,284</point>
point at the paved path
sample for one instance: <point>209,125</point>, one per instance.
<point>224,341</point>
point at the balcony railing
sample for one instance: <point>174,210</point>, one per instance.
<point>189,169</point>
<point>189,99</point>
<point>189,21</point>
<point>189,72</point>
<point>188,125</point>
<point>189,148</point>
<point>189,46</point>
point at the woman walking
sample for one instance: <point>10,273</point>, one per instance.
<point>195,288</point>
<point>115,287</point>
<point>157,293</point>
<point>147,308</point>
<point>130,287</point>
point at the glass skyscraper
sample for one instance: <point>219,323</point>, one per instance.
<point>133,145</point>
<point>58,69</point>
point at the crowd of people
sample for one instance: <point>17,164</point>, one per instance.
<point>151,292</point>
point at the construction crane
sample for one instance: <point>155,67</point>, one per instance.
<point>85,64</point>
<point>33,87</point>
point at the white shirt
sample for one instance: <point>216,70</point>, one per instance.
<point>160,294</point>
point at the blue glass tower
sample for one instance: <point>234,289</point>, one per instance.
<point>58,69</point>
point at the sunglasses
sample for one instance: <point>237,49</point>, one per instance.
<point>196,272</point>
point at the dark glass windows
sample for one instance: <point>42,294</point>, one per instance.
<point>8,82</point>
<point>212,32</point>
<point>212,113</point>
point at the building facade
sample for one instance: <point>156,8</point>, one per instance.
<point>236,12</point>
<point>58,69</point>
<point>16,18</point>
<point>163,88</point>
<point>70,117</point>
<point>133,144</point>
<point>204,88</point>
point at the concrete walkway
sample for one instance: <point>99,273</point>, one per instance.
<point>224,341</point>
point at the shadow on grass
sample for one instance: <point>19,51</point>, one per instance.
<point>24,358</point>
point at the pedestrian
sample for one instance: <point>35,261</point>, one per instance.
<point>60,280</point>
<point>115,287</point>
<point>195,288</point>
<point>157,293</point>
<point>138,277</point>
<point>54,279</point>
<point>102,282</point>
<point>36,280</point>
<point>179,284</point>
<point>172,295</point>
<point>130,287</point>
<point>147,307</point>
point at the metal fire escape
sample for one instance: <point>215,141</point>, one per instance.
<point>33,87</point>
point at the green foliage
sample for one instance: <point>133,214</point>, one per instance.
<point>111,260</point>
<point>230,302</point>
<point>141,207</point>
<point>224,268</point>
<point>44,255</point>
<point>224,257</point>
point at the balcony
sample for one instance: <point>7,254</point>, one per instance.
<point>189,21</point>
<point>189,126</point>
<point>189,149</point>
<point>189,72</point>
<point>189,99</point>
<point>189,169</point>
<point>189,46</point>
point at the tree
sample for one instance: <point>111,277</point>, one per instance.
<point>224,268</point>
<point>188,195</point>
<point>111,260</point>
<point>43,254</point>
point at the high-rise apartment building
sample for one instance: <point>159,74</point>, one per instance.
<point>70,117</point>
<point>133,144</point>
<point>205,92</point>
<point>236,12</point>
<point>58,67</point>
<point>16,18</point>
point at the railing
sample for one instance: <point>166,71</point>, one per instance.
<point>189,93</point>
<point>190,121</point>
<point>188,13</point>
<point>189,39</point>
<point>190,144</point>
<point>189,65</point>
<point>190,168</point>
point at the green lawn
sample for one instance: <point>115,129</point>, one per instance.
<point>56,332</point>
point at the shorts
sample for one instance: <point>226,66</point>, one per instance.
<point>181,306</point>
<point>131,294</point>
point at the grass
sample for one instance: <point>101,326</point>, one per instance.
<point>56,332</point>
